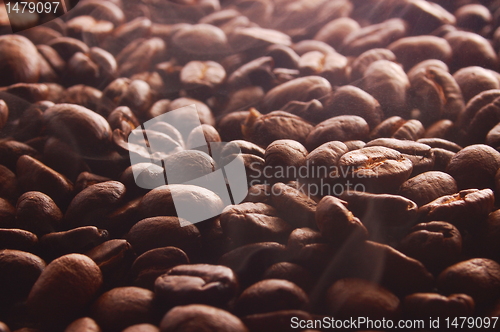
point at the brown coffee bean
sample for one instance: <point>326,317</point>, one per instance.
<point>470,49</point>
<point>301,89</point>
<point>122,307</point>
<point>142,328</point>
<point>441,129</point>
<point>334,32</point>
<point>101,11</point>
<point>265,129</point>
<point>200,318</point>
<point>253,222</point>
<point>37,212</point>
<point>291,272</point>
<point>229,126</point>
<point>374,36</point>
<point>10,187</point>
<point>336,223</point>
<point>478,278</point>
<point>4,113</point>
<point>18,239</point>
<point>323,158</point>
<point>339,128</point>
<point>375,168</point>
<point>387,217</point>
<point>474,17</point>
<point>353,297</point>
<point>114,258</point>
<point>436,244</point>
<point>271,295</point>
<point>19,60</point>
<point>76,240</point>
<point>410,130</point>
<point>197,283</point>
<point>284,154</point>
<point>441,144</point>
<point>421,155</point>
<point>365,59</point>
<point>294,206</point>
<point>67,47</point>
<point>141,58</point>
<point>11,151</point>
<point>428,186</point>
<point>423,305</point>
<point>387,127</point>
<point>84,324</point>
<point>94,202</point>
<point>7,214</point>
<point>276,320</point>
<point>387,82</point>
<point>162,231</point>
<point>257,72</point>
<point>475,167</point>
<point>86,179</point>
<point>425,17</point>
<point>351,100</point>
<point>463,209</point>
<point>65,287</point>
<point>254,37</point>
<point>159,201</point>
<point>19,271</point>
<point>331,66</point>
<point>474,80</point>
<point>200,39</point>
<point>412,50</point>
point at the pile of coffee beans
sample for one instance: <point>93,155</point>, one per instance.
<point>370,135</point>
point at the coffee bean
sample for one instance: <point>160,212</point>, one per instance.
<point>294,206</point>
<point>436,244</point>
<point>410,130</point>
<point>19,239</point>
<point>365,59</point>
<point>474,17</point>
<point>339,128</point>
<point>76,240</point>
<point>37,212</point>
<point>275,321</point>
<point>478,278</point>
<point>142,328</point>
<point>480,52</point>
<point>4,113</point>
<point>334,32</point>
<point>271,295</point>
<point>424,17</point>
<point>19,60</point>
<point>82,325</point>
<point>7,214</point>
<point>360,298</point>
<point>474,80</point>
<point>202,318</point>
<point>421,305</point>
<point>65,287</point>
<point>428,186</point>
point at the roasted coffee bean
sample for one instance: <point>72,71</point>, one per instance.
<point>159,201</point>
<point>83,324</point>
<point>293,205</point>
<point>76,240</point>
<point>301,89</point>
<point>65,287</point>
<point>410,130</point>
<point>339,128</point>
<point>478,278</point>
<point>271,295</point>
<point>474,80</point>
<point>334,32</point>
<point>423,305</point>
<point>122,307</point>
<point>331,66</point>
<point>7,214</point>
<point>387,82</point>
<point>336,223</point>
<point>283,155</point>
<point>11,151</point>
<point>365,59</point>
<point>4,113</point>
<point>419,154</point>
<point>360,298</point>
<point>19,272</point>
<point>251,260</point>
<point>374,36</point>
<point>463,209</point>
<point>387,217</point>
<point>94,202</point>
<point>200,318</point>
<point>230,126</point>
<point>37,212</point>
<point>10,187</point>
<point>474,17</point>
<point>321,160</point>
<point>253,222</point>
<point>18,239</point>
<point>475,167</point>
<point>86,179</point>
<point>200,39</point>
<point>411,50</point>
<point>283,56</point>
<point>351,100</point>
<point>114,258</point>
<point>441,144</point>
<point>291,272</point>
<point>19,60</point>
<point>265,129</point>
<point>257,72</point>
<point>425,17</point>
<point>157,232</point>
<point>142,328</point>
<point>436,244</point>
<point>198,283</point>
<point>428,186</point>
<point>275,321</point>
<point>387,127</point>
<point>374,168</point>
<point>470,49</point>
<point>83,95</point>
<point>155,262</point>
<point>255,37</point>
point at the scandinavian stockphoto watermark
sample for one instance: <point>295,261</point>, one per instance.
<point>168,134</point>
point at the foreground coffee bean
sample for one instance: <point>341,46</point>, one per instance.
<point>122,307</point>
<point>65,287</point>
<point>478,278</point>
<point>421,305</point>
<point>361,298</point>
<point>428,186</point>
<point>83,324</point>
<point>200,318</point>
<point>197,283</point>
<point>271,295</point>
<point>19,61</point>
<point>37,212</point>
